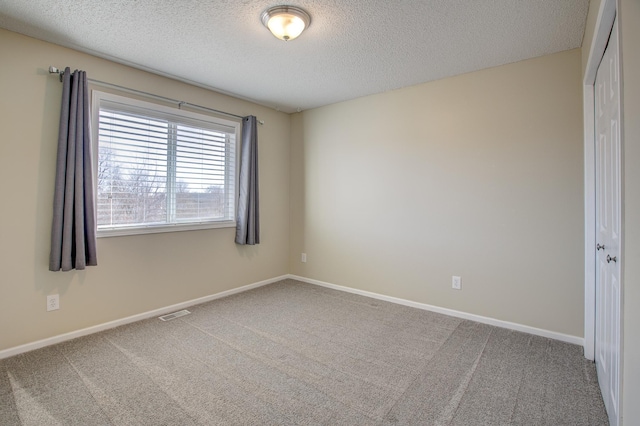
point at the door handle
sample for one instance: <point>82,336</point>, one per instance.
<point>599,247</point>
<point>611,259</point>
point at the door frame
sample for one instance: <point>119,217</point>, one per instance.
<point>604,23</point>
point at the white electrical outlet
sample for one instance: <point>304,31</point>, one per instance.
<point>53,302</point>
<point>303,258</point>
<point>456,283</point>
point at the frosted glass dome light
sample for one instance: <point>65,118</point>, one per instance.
<point>286,22</point>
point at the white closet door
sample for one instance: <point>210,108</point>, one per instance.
<point>608,218</point>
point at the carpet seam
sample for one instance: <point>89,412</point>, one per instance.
<point>466,382</point>
<point>544,392</point>
<point>84,384</point>
<point>113,344</point>
<point>228,376</point>
<point>391,388</point>
<point>366,414</point>
<point>208,365</point>
<point>212,367</point>
<point>521,384</point>
<point>18,413</point>
<point>369,415</point>
<point>419,373</point>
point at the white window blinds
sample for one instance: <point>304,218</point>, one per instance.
<point>160,167</point>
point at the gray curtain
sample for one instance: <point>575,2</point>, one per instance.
<point>73,231</point>
<point>248,218</point>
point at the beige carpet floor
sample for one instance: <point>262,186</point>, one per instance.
<point>292,353</point>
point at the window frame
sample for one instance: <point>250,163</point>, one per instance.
<point>129,104</point>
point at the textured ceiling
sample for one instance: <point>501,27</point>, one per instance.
<point>353,48</point>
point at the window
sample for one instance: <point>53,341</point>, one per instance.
<point>160,169</point>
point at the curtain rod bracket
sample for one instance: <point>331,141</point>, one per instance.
<point>54,70</point>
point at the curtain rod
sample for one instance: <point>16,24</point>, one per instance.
<point>54,70</point>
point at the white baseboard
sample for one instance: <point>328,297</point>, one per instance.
<point>478,318</point>
<point>6,353</point>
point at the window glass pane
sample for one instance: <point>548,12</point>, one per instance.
<point>200,173</point>
<point>158,168</point>
<point>132,169</point>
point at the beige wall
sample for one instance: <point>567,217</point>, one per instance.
<point>135,273</point>
<point>478,175</point>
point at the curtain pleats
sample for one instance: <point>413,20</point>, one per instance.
<point>248,217</point>
<point>73,231</point>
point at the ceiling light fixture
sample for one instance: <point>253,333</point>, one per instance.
<point>285,22</point>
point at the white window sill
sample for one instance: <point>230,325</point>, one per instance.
<point>156,229</point>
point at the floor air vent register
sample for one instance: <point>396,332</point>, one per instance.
<point>174,315</point>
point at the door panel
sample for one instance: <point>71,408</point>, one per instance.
<point>608,222</point>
